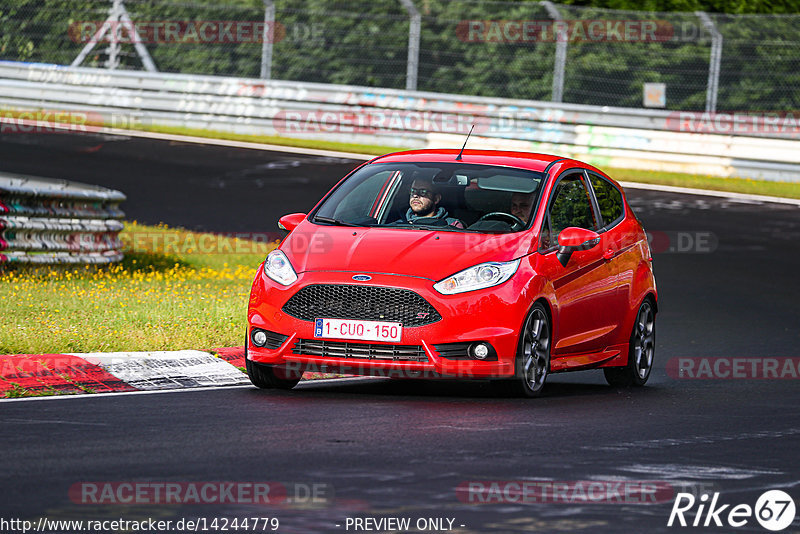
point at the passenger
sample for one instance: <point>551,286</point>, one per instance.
<point>424,206</point>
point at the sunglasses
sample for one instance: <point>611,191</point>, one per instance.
<point>421,192</point>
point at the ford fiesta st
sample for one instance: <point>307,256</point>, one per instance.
<point>505,266</point>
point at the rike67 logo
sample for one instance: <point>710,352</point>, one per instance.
<point>774,510</point>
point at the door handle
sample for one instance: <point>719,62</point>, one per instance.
<point>608,254</point>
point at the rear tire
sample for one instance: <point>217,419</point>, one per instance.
<point>533,356</point>
<point>641,351</point>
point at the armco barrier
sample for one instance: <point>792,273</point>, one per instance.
<point>56,221</point>
<point>609,137</point>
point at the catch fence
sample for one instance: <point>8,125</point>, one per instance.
<point>520,50</point>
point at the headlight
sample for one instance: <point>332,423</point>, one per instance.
<point>277,267</point>
<point>477,277</point>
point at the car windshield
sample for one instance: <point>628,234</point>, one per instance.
<point>441,196</point>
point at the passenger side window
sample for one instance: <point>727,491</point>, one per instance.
<point>609,199</point>
<point>570,207</point>
<point>360,203</point>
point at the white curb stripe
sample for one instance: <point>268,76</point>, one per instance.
<point>118,394</point>
<point>167,370</point>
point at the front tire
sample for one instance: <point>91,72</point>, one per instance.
<point>533,355</point>
<point>271,377</point>
<point>641,351</point>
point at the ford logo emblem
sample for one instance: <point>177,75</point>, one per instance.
<point>362,277</point>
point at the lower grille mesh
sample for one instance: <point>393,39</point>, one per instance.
<point>366,351</point>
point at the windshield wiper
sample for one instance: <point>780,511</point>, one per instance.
<point>433,227</point>
<point>330,220</point>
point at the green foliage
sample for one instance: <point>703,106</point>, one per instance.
<point>364,42</point>
<point>570,207</point>
<point>711,6</point>
<point>16,392</point>
<point>609,200</point>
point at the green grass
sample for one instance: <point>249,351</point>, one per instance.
<point>18,392</point>
<point>375,150</point>
<point>167,294</point>
<point>736,185</point>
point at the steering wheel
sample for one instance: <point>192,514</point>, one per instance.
<point>516,222</point>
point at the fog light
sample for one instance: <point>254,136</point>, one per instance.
<point>480,351</point>
<point>259,338</point>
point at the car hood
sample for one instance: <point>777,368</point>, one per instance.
<point>429,254</point>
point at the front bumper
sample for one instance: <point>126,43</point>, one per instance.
<point>491,315</point>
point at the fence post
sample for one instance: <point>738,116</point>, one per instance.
<point>113,46</point>
<point>268,37</point>
<point>414,33</point>
<point>714,63</point>
<point>561,52</point>
<point>144,55</point>
<point>113,24</point>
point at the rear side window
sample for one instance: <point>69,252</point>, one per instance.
<point>609,199</point>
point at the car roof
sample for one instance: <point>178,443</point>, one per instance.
<point>521,160</point>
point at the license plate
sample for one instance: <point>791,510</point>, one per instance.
<point>352,329</point>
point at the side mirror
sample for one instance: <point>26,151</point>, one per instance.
<point>573,238</point>
<point>291,221</point>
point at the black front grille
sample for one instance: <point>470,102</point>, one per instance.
<point>367,351</point>
<point>453,351</point>
<point>367,303</point>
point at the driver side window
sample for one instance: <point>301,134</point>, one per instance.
<point>570,206</point>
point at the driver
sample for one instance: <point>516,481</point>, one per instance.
<point>521,204</point>
<point>424,206</point>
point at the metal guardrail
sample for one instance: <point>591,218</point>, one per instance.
<point>48,221</point>
<point>610,137</point>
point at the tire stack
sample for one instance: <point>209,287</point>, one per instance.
<point>47,221</point>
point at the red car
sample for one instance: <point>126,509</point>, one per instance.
<point>477,264</point>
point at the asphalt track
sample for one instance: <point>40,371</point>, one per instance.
<point>387,448</point>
